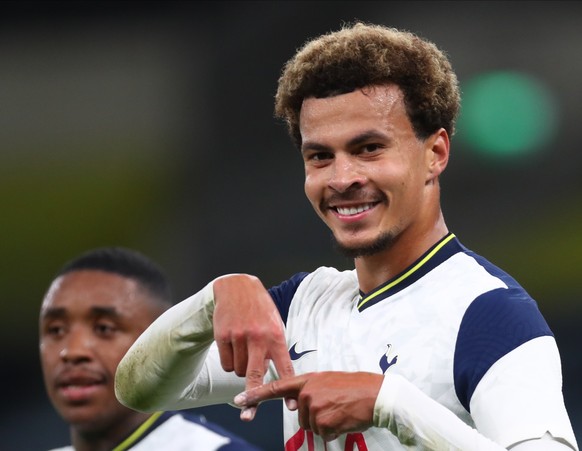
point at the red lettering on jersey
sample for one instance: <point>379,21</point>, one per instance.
<point>310,444</point>
<point>355,439</point>
<point>295,442</point>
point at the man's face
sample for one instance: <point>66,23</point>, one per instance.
<point>88,320</point>
<point>366,172</point>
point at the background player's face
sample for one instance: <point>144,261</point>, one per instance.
<point>365,170</point>
<point>88,321</point>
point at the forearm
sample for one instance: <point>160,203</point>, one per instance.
<point>165,360</point>
<point>410,414</point>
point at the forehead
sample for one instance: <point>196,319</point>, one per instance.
<point>81,291</point>
<point>380,106</point>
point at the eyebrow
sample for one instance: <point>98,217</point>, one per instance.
<point>53,313</point>
<point>97,311</point>
<point>312,145</point>
<point>105,311</point>
<point>355,141</point>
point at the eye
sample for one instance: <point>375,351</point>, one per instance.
<point>318,156</point>
<point>370,148</point>
<point>55,329</point>
<point>105,329</point>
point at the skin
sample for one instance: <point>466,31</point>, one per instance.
<point>88,321</point>
<point>360,151</point>
<point>249,332</point>
<point>375,185</point>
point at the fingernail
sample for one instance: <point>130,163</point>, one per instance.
<point>247,413</point>
<point>291,403</point>
<point>240,399</point>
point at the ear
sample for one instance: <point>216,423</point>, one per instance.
<point>437,154</point>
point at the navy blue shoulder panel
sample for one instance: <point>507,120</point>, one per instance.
<point>494,324</point>
<point>284,292</point>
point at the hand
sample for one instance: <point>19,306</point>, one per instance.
<point>249,332</point>
<point>329,403</point>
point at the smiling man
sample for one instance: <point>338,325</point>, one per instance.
<point>92,312</point>
<point>424,345</point>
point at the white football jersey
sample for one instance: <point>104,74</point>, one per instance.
<point>469,362</point>
<point>458,328</point>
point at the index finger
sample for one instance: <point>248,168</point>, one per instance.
<point>255,372</point>
<point>259,354</point>
<point>282,388</point>
<point>256,367</point>
<point>281,358</point>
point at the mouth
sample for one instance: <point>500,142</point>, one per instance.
<point>77,388</point>
<point>353,210</point>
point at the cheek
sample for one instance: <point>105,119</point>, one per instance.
<point>116,350</point>
<point>49,354</point>
<point>310,188</point>
<point>49,363</point>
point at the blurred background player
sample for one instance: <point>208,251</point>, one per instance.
<point>94,309</point>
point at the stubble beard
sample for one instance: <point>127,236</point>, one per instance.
<point>383,242</point>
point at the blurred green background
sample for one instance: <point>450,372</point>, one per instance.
<point>150,125</point>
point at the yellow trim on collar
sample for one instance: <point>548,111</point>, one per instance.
<point>129,441</point>
<point>409,272</point>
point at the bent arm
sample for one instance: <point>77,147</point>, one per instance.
<point>171,365</point>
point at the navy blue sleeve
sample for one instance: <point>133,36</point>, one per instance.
<point>284,292</point>
<point>495,323</point>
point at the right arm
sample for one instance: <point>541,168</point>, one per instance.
<point>174,364</point>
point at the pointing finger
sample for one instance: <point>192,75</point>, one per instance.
<point>283,388</point>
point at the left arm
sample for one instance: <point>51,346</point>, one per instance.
<point>335,403</point>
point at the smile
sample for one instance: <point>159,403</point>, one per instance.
<point>349,211</point>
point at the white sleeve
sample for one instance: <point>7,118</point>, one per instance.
<point>414,417</point>
<point>520,397</point>
<point>542,424</point>
<point>174,364</point>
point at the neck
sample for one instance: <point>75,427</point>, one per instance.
<point>105,439</point>
<point>408,246</point>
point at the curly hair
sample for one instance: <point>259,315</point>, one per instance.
<point>361,55</point>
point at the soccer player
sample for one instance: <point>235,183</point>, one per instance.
<point>95,308</point>
<point>425,344</point>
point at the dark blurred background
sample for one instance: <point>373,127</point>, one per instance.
<point>150,125</point>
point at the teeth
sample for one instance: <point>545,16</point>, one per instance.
<point>353,210</point>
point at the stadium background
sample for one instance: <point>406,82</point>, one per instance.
<point>149,125</point>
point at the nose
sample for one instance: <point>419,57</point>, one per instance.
<point>77,347</point>
<point>345,174</point>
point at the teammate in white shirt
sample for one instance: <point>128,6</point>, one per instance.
<point>424,345</point>
<point>98,304</point>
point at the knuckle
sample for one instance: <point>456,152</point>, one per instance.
<point>254,375</point>
<point>274,387</point>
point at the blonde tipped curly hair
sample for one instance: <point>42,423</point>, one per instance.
<point>361,55</point>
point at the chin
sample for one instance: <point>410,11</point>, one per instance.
<point>365,249</point>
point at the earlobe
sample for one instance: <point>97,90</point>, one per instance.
<point>438,148</point>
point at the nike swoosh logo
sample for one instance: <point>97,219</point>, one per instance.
<point>296,355</point>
